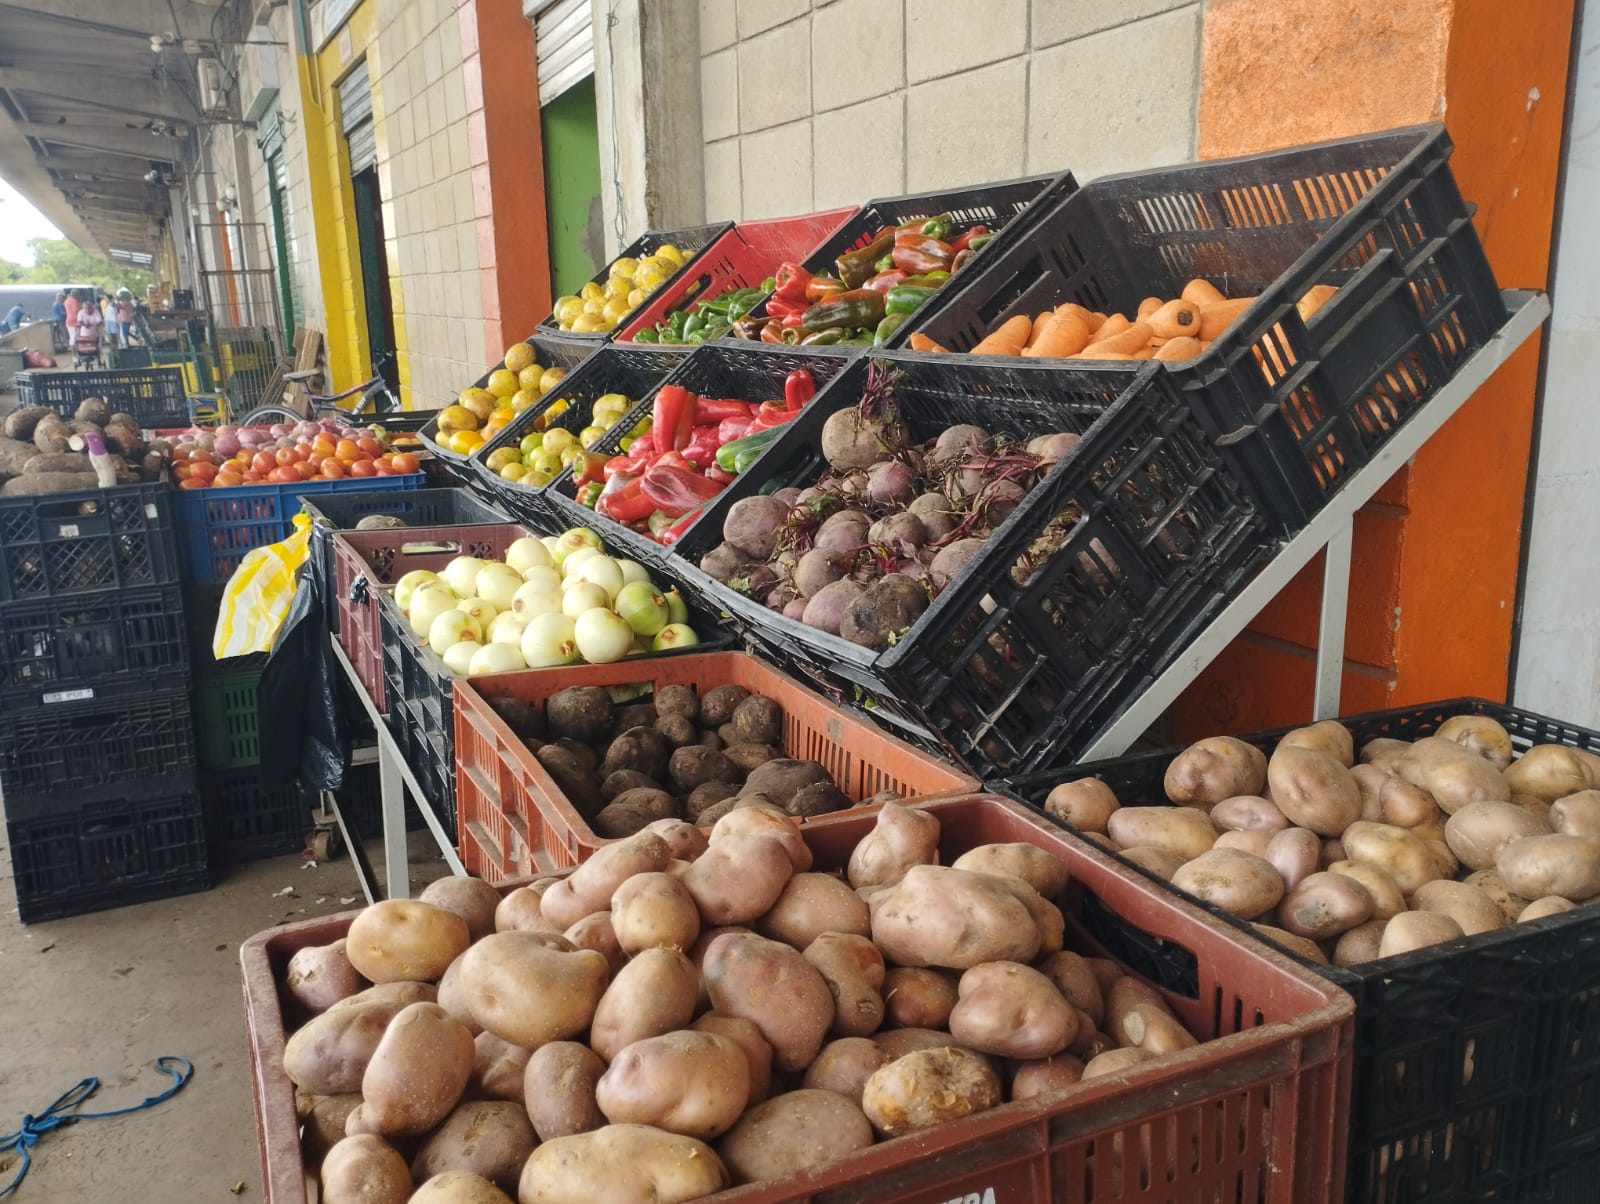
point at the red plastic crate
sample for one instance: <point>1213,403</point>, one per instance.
<point>380,558</point>
<point>1256,1115</point>
<point>524,824</point>
<point>742,258</point>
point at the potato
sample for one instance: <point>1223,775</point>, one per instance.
<point>525,992</point>
<point>697,955</point>
<point>1126,996</point>
<point>1411,930</point>
<point>776,989</point>
<point>749,757</point>
<point>718,705</point>
<point>1253,843</point>
<point>852,967</point>
<point>1478,831</point>
<point>792,1133</point>
<point>1086,804</point>
<point>764,820</point>
<point>642,749</point>
<point>898,1042</point>
<point>689,1083</point>
<point>678,700</point>
<point>1156,1029</point>
<point>1073,975</point>
<point>498,1068</point>
<point>900,838</point>
<point>653,909</point>
<point>784,779</point>
<point>1213,769</point>
<point>589,887</point>
<point>1046,1076</point>
<point>705,796</point>
<point>1550,905</point>
<point>584,713</point>
<point>1030,863</point>
<point>811,904</point>
<point>1398,852</point>
<point>489,1138</point>
<point>758,720</point>
<point>454,1000</point>
<point>1360,944</point>
<point>559,1089</point>
<point>679,730</point>
<point>694,765</point>
<point>1479,734</point>
<point>927,1088</point>
<point>1116,1062</point>
<point>323,1126</point>
<point>638,1164</point>
<point>328,1055</point>
<point>1452,774</point>
<point>1576,814</point>
<point>1248,813</point>
<point>365,1169</point>
<point>1324,905</point>
<point>941,916</point>
<point>1184,831</point>
<point>1297,945</point>
<point>1536,866</point>
<point>684,840</point>
<point>1467,905</point>
<point>1407,805</point>
<point>473,899</point>
<point>757,1052</point>
<point>1492,884</point>
<point>405,940</point>
<point>51,434</point>
<point>21,422</point>
<point>1370,780</point>
<point>845,1066</point>
<point>1536,807</point>
<point>522,910</point>
<point>460,1187</point>
<point>1551,772</point>
<point>321,975</point>
<point>916,997</point>
<point>1013,1011</point>
<point>392,995</point>
<point>651,995</point>
<point>1387,899</point>
<point>571,767</point>
<point>633,811</point>
<point>1163,863</point>
<point>1240,883</point>
<point>738,878</point>
<point>819,798</point>
<point>1313,790</point>
<point>595,932</point>
<point>416,1075</point>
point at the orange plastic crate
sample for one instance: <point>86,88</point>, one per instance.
<point>520,822</point>
<point>1259,1114</point>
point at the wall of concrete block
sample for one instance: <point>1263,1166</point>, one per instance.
<point>812,103</point>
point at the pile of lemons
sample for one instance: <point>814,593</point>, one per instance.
<point>540,455</point>
<point>480,413</point>
<point>598,308</point>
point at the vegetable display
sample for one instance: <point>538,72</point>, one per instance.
<point>284,454</point>
<point>689,1010</point>
<point>541,455</point>
<point>41,452</point>
<point>702,321</point>
<point>1344,858</point>
<point>598,308</point>
<point>479,413</point>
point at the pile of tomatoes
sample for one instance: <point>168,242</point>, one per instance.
<point>321,458</point>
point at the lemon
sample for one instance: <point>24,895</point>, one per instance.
<point>518,357</point>
<point>549,380</point>
<point>593,308</point>
<point>616,307</point>
<point>514,471</point>
<point>559,440</point>
<point>604,323</point>
<point>522,399</point>
<point>589,434</point>
<point>667,251</point>
<point>457,418</point>
<point>501,383</point>
<point>590,292</point>
<point>528,378</point>
<point>501,456</point>
<point>623,266</point>
<point>537,480</point>
<point>636,297</point>
<point>567,308</point>
<point>586,324</point>
<point>531,444</point>
<point>546,463</point>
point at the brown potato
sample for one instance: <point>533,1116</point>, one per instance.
<point>1387,899</point>
<point>1163,863</point>
<point>1407,805</point>
<point>1492,884</point>
<point>1313,790</point>
<point>321,975</point>
<point>900,838</point>
<point>1370,780</point>
<point>365,1169</point>
<point>323,1126</point>
<point>328,1055</point>
<point>595,932</point>
<point>1086,804</point>
<point>852,967</point>
<point>1184,831</point>
<point>392,995</point>
<point>473,899</point>
<point>811,904</point>
<point>691,1083</point>
<point>1452,774</point>
<point>1468,906</point>
<point>1398,852</point>
<point>454,1000</point>
<point>1240,883</point>
<point>652,909</point>
<point>1033,865</point>
<point>1297,945</point>
<point>1551,772</point>
<point>1295,853</point>
<point>757,1052</point>
<point>1550,905</point>
<point>1116,1062</point>
<point>559,1089</point>
<point>499,1069</point>
<point>1073,975</point>
<point>684,840</point>
<point>1324,905</point>
<point>460,1187</point>
<point>1384,752</point>
<point>1248,813</point>
<point>1325,736</point>
<point>652,995</point>
<point>1013,1011</point>
<point>738,878</point>
<point>488,1138</point>
<point>589,887</point>
<point>1576,814</point>
<point>405,940</point>
<point>793,1133</point>
<point>776,989</point>
<point>1536,866</point>
<point>898,1042</point>
<point>638,1164</point>
<point>1479,734</point>
<point>845,1066</point>
<point>525,992</point>
<point>1411,930</point>
<point>927,1088</point>
<point>1213,769</point>
<point>1254,843</point>
<point>1360,944</point>
<point>917,997</point>
<point>941,916</point>
<point>1046,1076</point>
<point>522,910</point>
<point>416,1075</point>
<point>1478,831</point>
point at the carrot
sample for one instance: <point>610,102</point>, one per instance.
<point>1008,339</point>
<point>1097,352</point>
<point>921,342</point>
<point>1115,324</point>
<point>1144,353</point>
<point>1064,335</point>
<point>1135,338</point>
<point>1202,292</point>
<point>1316,297</point>
<point>1174,319</point>
<point>1174,351</point>
<point>1039,324</point>
<point>1096,320</point>
<point>1149,306</point>
<point>1087,317</point>
<point>1218,316</point>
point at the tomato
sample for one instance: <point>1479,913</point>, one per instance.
<point>204,470</point>
<point>192,483</point>
<point>404,463</point>
<point>180,471</point>
<point>262,463</point>
<point>284,457</point>
<point>302,452</point>
<point>334,469</point>
<point>371,446</point>
<point>323,445</point>
<point>303,470</point>
<point>363,468</point>
<point>316,460</point>
<point>347,450</point>
<point>228,478</point>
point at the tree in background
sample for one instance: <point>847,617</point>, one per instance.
<point>57,261</point>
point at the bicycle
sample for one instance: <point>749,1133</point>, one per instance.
<point>316,406</point>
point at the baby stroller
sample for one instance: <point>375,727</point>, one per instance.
<point>86,339</point>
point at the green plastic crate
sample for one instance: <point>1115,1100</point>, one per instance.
<point>226,728</point>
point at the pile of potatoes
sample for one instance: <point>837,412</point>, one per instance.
<point>682,755</point>
<point>686,1011</point>
<point>1345,861</point>
<point>40,452</point>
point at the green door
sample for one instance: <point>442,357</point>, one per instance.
<point>572,187</point>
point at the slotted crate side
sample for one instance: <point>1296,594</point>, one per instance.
<point>246,821</point>
<point>1303,404</point>
<point>91,647</point>
<point>227,726</point>
<point>1255,1114</point>
<point>1465,1052</point>
<point>106,847</point>
<point>62,748</point>
<point>154,396</point>
<point>632,372</point>
<point>85,542</point>
<point>1080,597</point>
<point>740,258</point>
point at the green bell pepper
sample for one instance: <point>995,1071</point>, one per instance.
<point>887,327</point>
<point>739,454</point>
<point>907,298</point>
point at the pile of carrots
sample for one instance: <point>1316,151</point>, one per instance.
<point>1174,330</point>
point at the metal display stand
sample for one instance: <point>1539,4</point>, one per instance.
<point>1329,531</point>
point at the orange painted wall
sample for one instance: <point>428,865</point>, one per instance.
<point>507,159</point>
<point>1433,577</point>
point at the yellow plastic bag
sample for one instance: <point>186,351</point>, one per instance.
<point>257,596</point>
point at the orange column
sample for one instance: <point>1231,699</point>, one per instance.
<point>507,160</point>
<point>1434,567</point>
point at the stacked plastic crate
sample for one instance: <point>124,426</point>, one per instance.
<point>97,741</point>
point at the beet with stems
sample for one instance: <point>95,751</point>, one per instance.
<point>902,534</point>
<point>891,483</point>
<point>818,568</point>
<point>826,608</point>
<point>862,435</point>
<point>951,560</point>
<point>752,525</point>
<point>883,611</point>
<point>723,562</point>
<point>938,518</point>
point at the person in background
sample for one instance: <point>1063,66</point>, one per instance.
<point>108,313</point>
<point>125,312</point>
<point>58,318</point>
<point>86,335</point>
<point>70,304</point>
<point>12,320</point>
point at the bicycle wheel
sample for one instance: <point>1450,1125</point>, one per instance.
<point>269,415</point>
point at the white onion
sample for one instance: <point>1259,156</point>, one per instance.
<point>548,640</point>
<point>496,658</point>
<point>603,636</point>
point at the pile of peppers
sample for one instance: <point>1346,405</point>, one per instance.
<point>702,321</point>
<point>695,446</point>
<point>874,291</point>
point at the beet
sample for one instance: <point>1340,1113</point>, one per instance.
<point>851,439</point>
<point>883,611</point>
<point>723,562</point>
<point>841,539</point>
<point>1050,448</point>
<point>796,609</point>
<point>752,525</point>
<point>938,519</point>
<point>957,442</point>
<point>891,482</point>
<point>947,565</point>
<point>902,534</point>
<point>788,495</point>
<point>817,568</point>
<point>761,580</point>
<point>996,502</point>
<point>859,517</point>
<point>825,610</point>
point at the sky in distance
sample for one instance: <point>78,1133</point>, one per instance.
<point>20,221</point>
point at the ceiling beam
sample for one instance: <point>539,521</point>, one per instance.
<point>129,144</point>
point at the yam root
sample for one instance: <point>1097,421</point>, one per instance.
<point>49,482</point>
<point>20,424</point>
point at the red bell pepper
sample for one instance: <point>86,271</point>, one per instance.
<point>714,409</point>
<point>960,243</point>
<point>714,473</point>
<point>702,449</point>
<point>772,332</point>
<point>771,414</point>
<point>823,287</point>
<point>675,532</point>
<point>917,253</point>
<point>730,429</point>
<point>675,491</point>
<point>791,280</point>
<point>798,388</point>
<point>623,499</point>
<point>884,281</point>
<point>673,417</point>
<point>782,307</point>
<point>589,466</point>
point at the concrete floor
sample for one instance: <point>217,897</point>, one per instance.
<point>106,994</point>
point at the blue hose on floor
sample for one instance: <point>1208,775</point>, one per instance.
<point>65,1112</point>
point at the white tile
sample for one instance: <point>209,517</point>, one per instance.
<point>859,153</point>
<point>1556,675</point>
<point>1562,587</point>
<point>942,37</point>
<point>840,74</point>
<point>990,103</point>
<point>775,77</point>
<point>775,164</point>
<point>719,25</point>
<point>1060,20</point>
<point>723,186</point>
<point>719,95</point>
<point>757,15</point>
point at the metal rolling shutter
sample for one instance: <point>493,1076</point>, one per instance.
<point>563,32</point>
<point>355,116</point>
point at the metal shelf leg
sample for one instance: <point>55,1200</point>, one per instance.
<point>1330,631</point>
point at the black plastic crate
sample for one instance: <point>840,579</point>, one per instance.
<point>155,396</point>
<point>96,646</point>
<point>1476,1061</point>
<point>691,240</point>
<point>721,369</point>
<point>560,350</point>
<point>62,748</point>
<point>246,821</point>
<point>1009,208</point>
<point>109,847</point>
<point>1301,405</point>
<point>61,544</point>
<point>1015,666</point>
<point>631,371</point>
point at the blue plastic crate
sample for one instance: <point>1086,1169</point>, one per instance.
<point>216,527</point>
